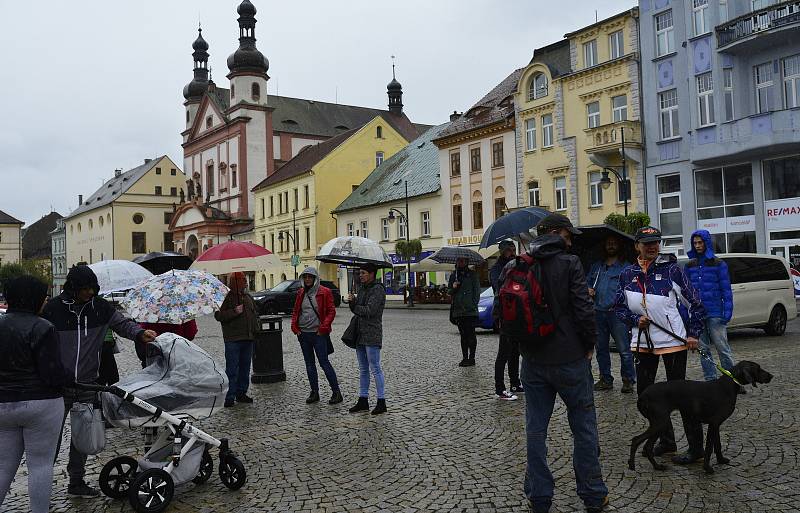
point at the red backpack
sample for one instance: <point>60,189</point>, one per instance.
<point>524,313</point>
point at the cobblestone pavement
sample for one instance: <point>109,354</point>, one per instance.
<point>447,445</point>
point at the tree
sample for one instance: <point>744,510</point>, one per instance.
<point>628,224</point>
<point>408,250</point>
<point>25,267</point>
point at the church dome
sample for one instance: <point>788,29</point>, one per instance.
<point>394,85</point>
<point>200,44</point>
<point>248,59</point>
<point>246,8</point>
<point>194,90</point>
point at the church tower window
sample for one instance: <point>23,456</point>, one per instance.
<point>256,91</point>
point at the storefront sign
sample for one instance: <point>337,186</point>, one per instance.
<point>467,240</point>
<point>398,260</point>
<point>728,224</point>
<point>783,214</point>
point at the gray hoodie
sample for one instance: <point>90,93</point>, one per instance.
<point>308,319</point>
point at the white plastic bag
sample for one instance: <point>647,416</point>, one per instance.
<point>88,428</point>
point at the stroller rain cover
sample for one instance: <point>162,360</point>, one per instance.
<point>180,378</point>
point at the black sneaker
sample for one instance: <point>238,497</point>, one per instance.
<point>313,397</point>
<point>380,407</point>
<point>336,397</point>
<point>82,490</point>
<point>229,403</point>
<point>627,386</point>
<point>243,398</point>
<point>464,363</point>
<point>598,509</point>
<point>517,390</point>
<point>603,385</point>
<point>687,458</point>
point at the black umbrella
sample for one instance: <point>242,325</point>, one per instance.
<point>590,245</point>
<point>159,262</point>
<point>449,255</point>
<point>512,224</point>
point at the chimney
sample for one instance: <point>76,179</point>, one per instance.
<point>454,116</point>
<point>80,199</point>
<point>147,161</point>
<point>117,172</point>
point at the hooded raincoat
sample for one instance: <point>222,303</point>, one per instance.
<point>709,276</point>
<point>314,309</point>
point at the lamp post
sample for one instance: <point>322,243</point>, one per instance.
<point>294,241</point>
<point>605,181</point>
<point>404,218</point>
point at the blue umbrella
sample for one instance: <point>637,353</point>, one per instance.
<point>512,224</point>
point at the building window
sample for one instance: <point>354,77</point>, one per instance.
<point>297,199</point>
<point>791,81</point>
<point>305,196</point>
<point>455,164</point>
<point>256,91</point>
<point>209,122</point>
<point>474,160</point>
<point>384,228</point>
<point>537,88</point>
<point>534,193</point>
<point>379,132</point>
<point>167,218</point>
<point>497,154</point>
<point>619,108</point>
<point>271,206</point>
<point>158,190</point>
<point>378,158</point>
<point>705,99</point>
<point>593,114</point>
<point>173,172</point>
<point>234,179</point>
<point>158,170</point>
<point>365,229</point>
<point>595,190</point>
<point>499,207</point>
<point>233,92</point>
<point>173,191</point>
<point>725,195</point>
<point>477,214</point>
<point>665,35</point>
<point>209,180</point>
<point>669,209</point>
<point>263,240</point>
<point>530,134</point>
<point>782,178</point>
<point>426,224</point>
<point>286,201</point>
<point>187,116</point>
<point>308,237</point>
<point>280,203</point>
<point>263,211</point>
<point>137,219</point>
<point>138,242</point>
<point>457,218</point>
<point>402,227</point>
<point>763,87</point>
<point>560,186</point>
<point>616,45</point>
<point>351,229</point>
<point>668,103</point>
<point>547,131</point>
<point>700,17</point>
<point>272,242</point>
<point>727,91</point>
<point>590,53</point>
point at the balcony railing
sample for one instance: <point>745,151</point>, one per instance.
<point>774,16</point>
<point>607,137</point>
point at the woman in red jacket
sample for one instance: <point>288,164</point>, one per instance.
<point>312,317</point>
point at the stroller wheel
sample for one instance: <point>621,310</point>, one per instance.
<point>151,491</point>
<point>116,476</point>
<point>206,469</point>
<point>232,472</point>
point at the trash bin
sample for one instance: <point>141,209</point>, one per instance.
<point>268,353</point>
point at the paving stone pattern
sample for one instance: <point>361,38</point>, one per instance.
<point>447,445</point>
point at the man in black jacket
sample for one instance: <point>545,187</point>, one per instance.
<point>507,350</point>
<point>562,365</point>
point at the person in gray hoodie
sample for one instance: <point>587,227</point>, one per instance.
<point>312,317</point>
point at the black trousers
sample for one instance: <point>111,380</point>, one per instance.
<point>675,366</point>
<point>507,354</point>
<point>466,328</point>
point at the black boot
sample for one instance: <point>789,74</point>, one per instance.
<point>361,405</point>
<point>336,397</point>
<point>380,407</point>
<point>313,397</point>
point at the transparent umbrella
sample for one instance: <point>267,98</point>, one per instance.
<point>116,275</point>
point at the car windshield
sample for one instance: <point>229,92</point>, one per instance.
<point>282,286</point>
<point>488,293</point>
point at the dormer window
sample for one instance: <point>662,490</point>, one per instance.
<point>209,122</point>
<point>256,91</point>
<point>379,132</point>
<point>537,88</point>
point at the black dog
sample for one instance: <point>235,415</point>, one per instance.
<point>709,402</point>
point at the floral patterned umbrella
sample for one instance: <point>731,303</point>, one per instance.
<point>175,297</point>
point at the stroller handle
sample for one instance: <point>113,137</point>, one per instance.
<point>92,387</point>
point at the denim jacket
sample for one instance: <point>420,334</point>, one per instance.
<point>604,280</point>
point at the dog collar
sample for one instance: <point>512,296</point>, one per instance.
<point>724,371</point>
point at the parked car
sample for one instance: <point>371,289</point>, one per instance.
<point>280,298</point>
<point>763,291</point>
<point>485,309</point>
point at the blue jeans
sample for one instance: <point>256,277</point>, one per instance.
<point>238,357</point>
<point>715,334</point>
<point>573,383</point>
<point>609,325</point>
<point>312,343</point>
<point>369,359</point>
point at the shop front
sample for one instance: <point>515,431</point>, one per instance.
<point>782,207</point>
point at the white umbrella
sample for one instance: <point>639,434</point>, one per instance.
<point>353,251</point>
<point>115,275</point>
<point>428,265</point>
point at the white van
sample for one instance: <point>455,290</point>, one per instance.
<point>763,291</point>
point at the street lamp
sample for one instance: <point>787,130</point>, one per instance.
<point>295,260</point>
<point>622,181</point>
<point>404,218</point>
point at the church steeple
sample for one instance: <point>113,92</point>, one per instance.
<point>395,92</point>
<point>247,58</point>
<point>194,90</point>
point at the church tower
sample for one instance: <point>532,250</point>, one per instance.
<point>395,92</point>
<point>248,67</point>
<point>194,90</point>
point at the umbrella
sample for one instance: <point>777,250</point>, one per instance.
<point>175,297</point>
<point>116,275</point>
<point>590,244</point>
<point>512,224</point>
<point>235,256</point>
<point>449,255</point>
<point>353,251</point>
<point>159,262</point>
<point>429,265</point>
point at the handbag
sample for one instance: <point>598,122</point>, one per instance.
<point>327,335</point>
<point>350,335</point>
<point>88,428</point>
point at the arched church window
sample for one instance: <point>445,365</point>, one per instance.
<point>233,92</point>
<point>209,122</point>
<point>256,91</point>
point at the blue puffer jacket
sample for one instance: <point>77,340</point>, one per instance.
<point>709,276</point>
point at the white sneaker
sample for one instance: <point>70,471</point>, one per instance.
<point>505,396</point>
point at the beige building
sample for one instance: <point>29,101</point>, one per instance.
<point>127,216</point>
<point>10,239</point>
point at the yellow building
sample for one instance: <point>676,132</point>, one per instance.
<point>127,216</point>
<point>293,205</point>
<point>10,239</point>
<point>577,99</point>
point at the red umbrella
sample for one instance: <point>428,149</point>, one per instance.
<point>236,256</point>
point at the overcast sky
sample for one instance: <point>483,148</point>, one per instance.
<point>89,86</point>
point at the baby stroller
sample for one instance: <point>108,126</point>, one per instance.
<point>181,384</point>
